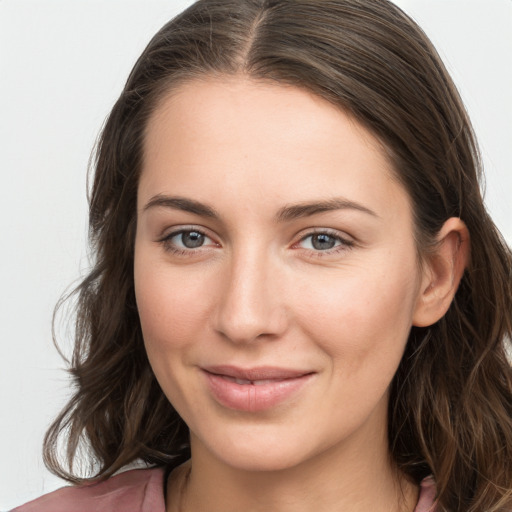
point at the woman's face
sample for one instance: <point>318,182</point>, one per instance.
<point>276,272</point>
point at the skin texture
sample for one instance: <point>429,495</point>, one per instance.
<point>257,292</point>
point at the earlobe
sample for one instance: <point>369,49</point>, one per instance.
<point>443,270</point>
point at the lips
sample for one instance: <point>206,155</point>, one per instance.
<point>254,389</point>
<point>258,382</point>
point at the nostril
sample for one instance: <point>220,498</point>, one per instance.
<point>245,323</point>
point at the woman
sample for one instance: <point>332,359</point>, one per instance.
<point>299,300</point>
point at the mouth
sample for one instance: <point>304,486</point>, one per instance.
<point>255,389</point>
<point>245,382</point>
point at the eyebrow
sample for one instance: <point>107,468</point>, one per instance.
<point>182,203</point>
<point>300,210</point>
<point>285,214</point>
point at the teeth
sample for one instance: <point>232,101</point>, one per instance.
<point>243,381</point>
<point>262,382</point>
<point>246,382</point>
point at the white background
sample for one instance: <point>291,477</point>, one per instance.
<point>62,65</point>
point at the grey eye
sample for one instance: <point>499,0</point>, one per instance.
<point>323,241</point>
<point>191,239</point>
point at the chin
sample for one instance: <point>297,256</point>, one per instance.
<point>262,461</point>
<point>258,449</point>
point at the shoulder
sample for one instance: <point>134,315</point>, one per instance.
<point>427,496</point>
<point>138,490</point>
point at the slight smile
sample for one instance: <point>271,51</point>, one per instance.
<point>254,389</point>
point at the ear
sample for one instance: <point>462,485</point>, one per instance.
<point>442,272</point>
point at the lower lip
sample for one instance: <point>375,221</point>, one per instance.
<point>251,397</point>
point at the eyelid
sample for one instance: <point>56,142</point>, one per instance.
<point>346,241</point>
<point>170,233</point>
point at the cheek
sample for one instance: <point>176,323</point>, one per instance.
<point>170,306</point>
<point>363,314</point>
<point>171,318</point>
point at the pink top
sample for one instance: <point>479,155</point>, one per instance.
<point>141,490</point>
<point>138,490</point>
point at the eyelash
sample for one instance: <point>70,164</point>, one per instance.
<point>344,244</point>
<point>169,246</point>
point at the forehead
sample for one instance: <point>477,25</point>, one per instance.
<point>213,136</point>
<point>265,106</point>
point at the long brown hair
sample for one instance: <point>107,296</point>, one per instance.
<point>450,411</point>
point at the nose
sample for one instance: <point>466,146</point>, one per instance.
<point>251,305</point>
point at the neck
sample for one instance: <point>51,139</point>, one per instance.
<point>356,478</point>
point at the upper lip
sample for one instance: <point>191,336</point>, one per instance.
<point>257,373</point>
